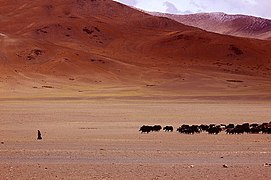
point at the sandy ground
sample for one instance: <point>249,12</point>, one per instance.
<point>100,140</point>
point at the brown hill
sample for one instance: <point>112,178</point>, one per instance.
<point>235,25</point>
<point>100,48</point>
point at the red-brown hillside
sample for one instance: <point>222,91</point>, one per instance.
<point>105,48</point>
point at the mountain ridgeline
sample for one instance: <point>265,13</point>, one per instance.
<point>70,44</point>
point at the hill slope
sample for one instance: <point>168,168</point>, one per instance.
<point>90,48</point>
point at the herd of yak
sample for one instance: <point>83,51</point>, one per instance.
<point>254,128</point>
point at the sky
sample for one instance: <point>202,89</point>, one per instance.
<point>259,8</point>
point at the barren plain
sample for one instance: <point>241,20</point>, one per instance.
<point>100,140</point>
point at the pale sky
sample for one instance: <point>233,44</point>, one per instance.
<point>260,8</point>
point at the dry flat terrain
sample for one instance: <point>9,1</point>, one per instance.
<point>100,140</point>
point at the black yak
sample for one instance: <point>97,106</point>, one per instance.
<point>168,128</point>
<point>156,128</point>
<point>214,130</point>
<point>145,129</point>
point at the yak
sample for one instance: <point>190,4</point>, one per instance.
<point>145,129</point>
<point>168,128</point>
<point>214,130</point>
<point>156,128</point>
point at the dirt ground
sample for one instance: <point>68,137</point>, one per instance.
<point>100,140</point>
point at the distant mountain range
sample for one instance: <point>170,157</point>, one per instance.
<point>236,25</point>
